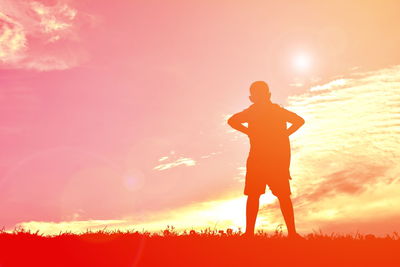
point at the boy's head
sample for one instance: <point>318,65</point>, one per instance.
<point>259,92</point>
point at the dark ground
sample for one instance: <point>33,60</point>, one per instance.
<point>205,248</point>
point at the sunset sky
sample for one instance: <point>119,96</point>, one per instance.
<point>113,113</point>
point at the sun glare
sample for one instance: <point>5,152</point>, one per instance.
<point>302,62</point>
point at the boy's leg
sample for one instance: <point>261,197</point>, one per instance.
<point>287,211</point>
<point>251,213</point>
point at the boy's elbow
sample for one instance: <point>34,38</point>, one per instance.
<point>233,122</point>
<point>299,122</point>
<point>230,121</point>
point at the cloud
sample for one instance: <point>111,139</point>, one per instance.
<point>163,158</point>
<point>329,86</point>
<point>12,40</point>
<point>351,131</point>
<point>37,36</point>
<point>53,228</point>
<point>54,19</point>
<point>221,214</point>
<point>296,84</point>
<point>178,162</point>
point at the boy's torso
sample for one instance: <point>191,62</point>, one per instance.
<point>267,129</point>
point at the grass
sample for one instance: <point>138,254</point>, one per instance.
<point>195,248</point>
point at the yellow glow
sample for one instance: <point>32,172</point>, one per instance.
<point>218,215</point>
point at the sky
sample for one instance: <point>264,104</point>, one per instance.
<point>114,115</point>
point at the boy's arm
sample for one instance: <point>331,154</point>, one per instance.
<point>295,120</point>
<point>236,120</point>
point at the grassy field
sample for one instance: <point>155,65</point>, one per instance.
<point>190,248</point>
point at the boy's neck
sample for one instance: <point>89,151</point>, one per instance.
<point>266,102</point>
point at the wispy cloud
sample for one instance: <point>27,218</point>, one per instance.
<point>329,86</point>
<point>172,164</point>
<point>37,36</point>
<point>296,84</point>
<point>54,19</point>
<point>12,39</point>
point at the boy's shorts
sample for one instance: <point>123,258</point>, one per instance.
<point>279,188</point>
<point>270,169</point>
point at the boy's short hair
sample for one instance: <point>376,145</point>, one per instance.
<point>258,87</point>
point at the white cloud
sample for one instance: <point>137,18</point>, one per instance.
<point>33,35</point>
<point>12,39</point>
<point>351,131</point>
<point>178,162</point>
<point>330,85</point>
<point>55,18</point>
<point>296,84</point>
<point>163,158</point>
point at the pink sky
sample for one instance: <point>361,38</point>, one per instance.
<point>115,113</point>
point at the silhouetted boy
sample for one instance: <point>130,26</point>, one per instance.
<point>269,157</point>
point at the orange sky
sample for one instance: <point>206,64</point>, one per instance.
<point>116,115</point>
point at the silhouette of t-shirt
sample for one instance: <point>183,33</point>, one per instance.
<point>269,156</point>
